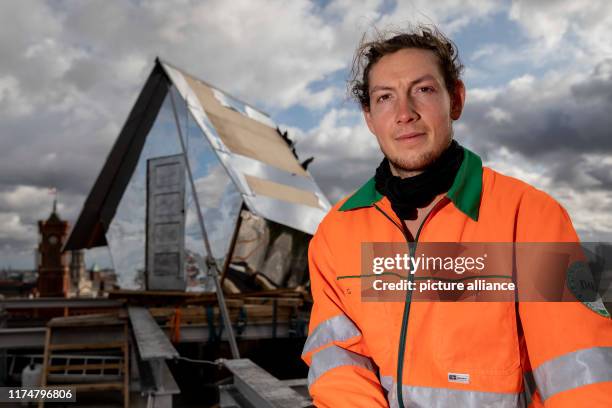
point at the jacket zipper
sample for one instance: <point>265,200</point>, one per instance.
<point>408,300</point>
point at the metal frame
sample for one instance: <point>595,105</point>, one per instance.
<point>212,264</point>
<point>260,388</point>
<point>104,197</point>
<point>152,350</point>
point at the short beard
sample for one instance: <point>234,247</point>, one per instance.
<point>408,168</point>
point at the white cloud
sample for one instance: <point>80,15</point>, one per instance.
<point>565,34</point>
<point>321,99</point>
<point>557,24</point>
<point>504,159</point>
<point>14,229</point>
<point>12,101</point>
<point>132,67</point>
<point>27,198</point>
<point>481,95</point>
<point>523,84</point>
<point>499,115</point>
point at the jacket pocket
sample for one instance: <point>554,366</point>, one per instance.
<point>479,338</point>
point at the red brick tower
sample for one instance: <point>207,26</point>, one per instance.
<point>53,275</point>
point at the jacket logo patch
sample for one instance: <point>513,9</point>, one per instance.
<point>581,283</point>
<point>459,378</point>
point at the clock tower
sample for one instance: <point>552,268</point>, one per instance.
<point>53,276</point>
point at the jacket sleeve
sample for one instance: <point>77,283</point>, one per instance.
<point>341,372</point>
<point>568,346</point>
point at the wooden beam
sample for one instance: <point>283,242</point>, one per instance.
<point>87,346</point>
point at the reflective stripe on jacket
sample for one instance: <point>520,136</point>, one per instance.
<point>560,355</point>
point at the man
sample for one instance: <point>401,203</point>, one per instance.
<point>430,189</point>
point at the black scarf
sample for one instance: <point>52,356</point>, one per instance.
<point>408,194</point>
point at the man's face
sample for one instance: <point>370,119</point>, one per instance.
<point>411,111</point>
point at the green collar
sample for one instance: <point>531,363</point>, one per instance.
<point>464,193</point>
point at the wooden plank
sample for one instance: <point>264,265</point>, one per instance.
<point>261,186</point>
<point>88,346</point>
<point>213,302</point>
<point>280,301</point>
<point>126,369</point>
<point>252,313</point>
<point>242,134</point>
<point>53,303</point>
<point>87,334</point>
<point>160,295</point>
<point>200,333</point>
<point>268,293</point>
<point>103,319</point>
<point>151,341</point>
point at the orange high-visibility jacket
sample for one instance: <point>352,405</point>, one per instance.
<point>506,354</point>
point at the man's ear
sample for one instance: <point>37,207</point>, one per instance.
<point>457,100</point>
<point>368,117</point>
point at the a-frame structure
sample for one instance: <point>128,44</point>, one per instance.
<point>191,171</point>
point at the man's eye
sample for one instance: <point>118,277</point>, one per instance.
<point>426,89</point>
<point>383,98</point>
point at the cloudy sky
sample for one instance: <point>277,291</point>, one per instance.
<point>538,73</point>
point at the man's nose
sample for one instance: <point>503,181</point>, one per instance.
<point>406,111</point>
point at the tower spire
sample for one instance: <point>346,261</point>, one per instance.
<point>53,191</point>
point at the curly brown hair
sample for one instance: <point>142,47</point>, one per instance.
<point>422,37</point>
